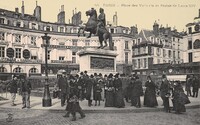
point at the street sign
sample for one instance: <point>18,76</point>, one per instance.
<point>26,54</point>
<point>10,52</point>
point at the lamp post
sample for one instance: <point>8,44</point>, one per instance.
<point>46,101</point>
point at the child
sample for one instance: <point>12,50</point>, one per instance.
<point>98,91</point>
<point>73,102</point>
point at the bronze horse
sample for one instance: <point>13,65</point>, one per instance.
<point>91,26</point>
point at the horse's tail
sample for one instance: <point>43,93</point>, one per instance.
<point>111,44</point>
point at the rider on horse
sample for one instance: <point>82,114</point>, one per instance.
<point>101,20</point>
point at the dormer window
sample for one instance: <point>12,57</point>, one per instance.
<point>61,29</point>
<point>152,39</point>
<point>48,28</point>
<point>2,20</point>
<point>34,26</point>
<point>190,30</point>
<point>18,24</point>
<point>139,40</point>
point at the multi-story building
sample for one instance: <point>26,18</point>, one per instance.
<point>191,44</point>
<point>22,31</point>
<point>158,46</point>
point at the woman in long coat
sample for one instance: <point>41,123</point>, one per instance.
<point>150,93</point>
<point>179,98</point>
<point>119,98</point>
<point>109,87</point>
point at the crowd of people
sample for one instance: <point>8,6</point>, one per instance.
<point>96,88</point>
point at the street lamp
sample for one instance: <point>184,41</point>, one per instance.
<point>46,101</point>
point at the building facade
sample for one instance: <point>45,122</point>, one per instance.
<point>191,42</point>
<point>23,31</point>
<point>162,45</point>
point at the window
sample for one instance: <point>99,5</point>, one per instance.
<point>87,43</point>
<point>126,45</point>
<point>2,20</point>
<point>190,30</point>
<point>34,26</point>
<point>61,29</point>
<point>18,38</point>
<point>2,51</point>
<point>169,53</point>
<point>152,51</point>
<point>73,53</point>
<point>189,44</point>
<point>48,28</point>
<point>3,69</point>
<point>138,51</point>
<point>134,63</point>
<point>178,54</point>
<point>164,53</point>
<point>144,49</point>
<point>74,42</point>
<point>18,24</point>
<point>134,42</point>
<point>126,57</point>
<point>190,58</point>
<point>48,54</point>
<point>145,62</point>
<point>61,57</point>
<point>112,30</point>
<point>138,63</point>
<point>17,70</point>
<point>141,63</point>
<point>158,51</point>
<point>73,59</point>
<point>152,39</point>
<point>139,41</point>
<point>2,36</point>
<point>33,70</point>
<point>174,54</point>
<point>17,52</point>
<point>33,40</point>
<point>34,57</point>
<point>173,38</point>
<point>158,60</point>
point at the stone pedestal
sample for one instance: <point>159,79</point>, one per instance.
<point>97,61</point>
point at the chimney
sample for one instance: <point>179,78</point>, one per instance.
<point>16,10</point>
<point>75,10</point>
<point>62,8</point>
<point>22,8</point>
<point>134,30</point>
<point>199,12</point>
<point>155,28</point>
<point>36,3</point>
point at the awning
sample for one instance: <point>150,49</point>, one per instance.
<point>33,52</point>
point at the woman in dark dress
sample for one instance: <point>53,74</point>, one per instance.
<point>150,93</point>
<point>109,87</point>
<point>119,98</point>
<point>179,98</point>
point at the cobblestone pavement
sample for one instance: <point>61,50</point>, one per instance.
<point>45,117</point>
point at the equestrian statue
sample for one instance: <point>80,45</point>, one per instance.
<point>97,26</point>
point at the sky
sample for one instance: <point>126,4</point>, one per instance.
<point>143,13</point>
